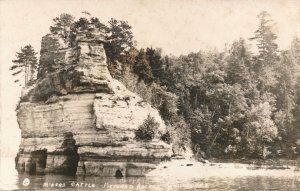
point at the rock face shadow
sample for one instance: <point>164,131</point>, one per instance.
<point>119,174</point>
<point>31,163</point>
<point>63,161</point>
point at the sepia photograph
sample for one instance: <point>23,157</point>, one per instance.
<point>166,95</point>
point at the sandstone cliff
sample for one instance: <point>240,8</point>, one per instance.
<point>78,119</point>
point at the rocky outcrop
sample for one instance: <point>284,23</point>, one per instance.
<point>77,69</point>
<point>78,119</point>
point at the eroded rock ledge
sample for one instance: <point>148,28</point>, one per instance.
<point>77,119</point>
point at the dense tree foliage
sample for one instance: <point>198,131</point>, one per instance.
<point>120,39</point>
<point>230,104</point>
<point>62,26</point>
<point>234,104</point>
<point>142,68</point>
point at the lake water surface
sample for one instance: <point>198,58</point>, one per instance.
<point>173,176</point>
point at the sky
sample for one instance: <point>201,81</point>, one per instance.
<point>177,26</point>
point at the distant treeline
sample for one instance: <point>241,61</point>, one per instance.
<point>229,104</point>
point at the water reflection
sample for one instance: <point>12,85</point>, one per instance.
<point>201,178</point>
<point>55,182</point>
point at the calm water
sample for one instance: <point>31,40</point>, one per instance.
<point>173,177</point>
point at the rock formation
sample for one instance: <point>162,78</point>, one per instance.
<point>77,119</point>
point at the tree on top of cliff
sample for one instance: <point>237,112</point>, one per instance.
<point>120,38</point>
<point>119,34</point>
<point>63,22</point>
<point>67,28</point>
<point>99,25</point>
<point>25,64</point>
<point>120,41</point>
<point>62,25</point>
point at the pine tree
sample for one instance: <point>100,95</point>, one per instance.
<point>268,52</point>
<point>265,37</point>
<point>26,63</point>
<point>285,91</point>
<point>62,26</point>
<point>155,62</point>
<point>142,68</point>
<point>62,23</point>
<point>239,61</point>
<point>120,39</point>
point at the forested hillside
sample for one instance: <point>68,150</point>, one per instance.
<point>233,103</point>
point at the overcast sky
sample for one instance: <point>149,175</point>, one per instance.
<point>177,26</point>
